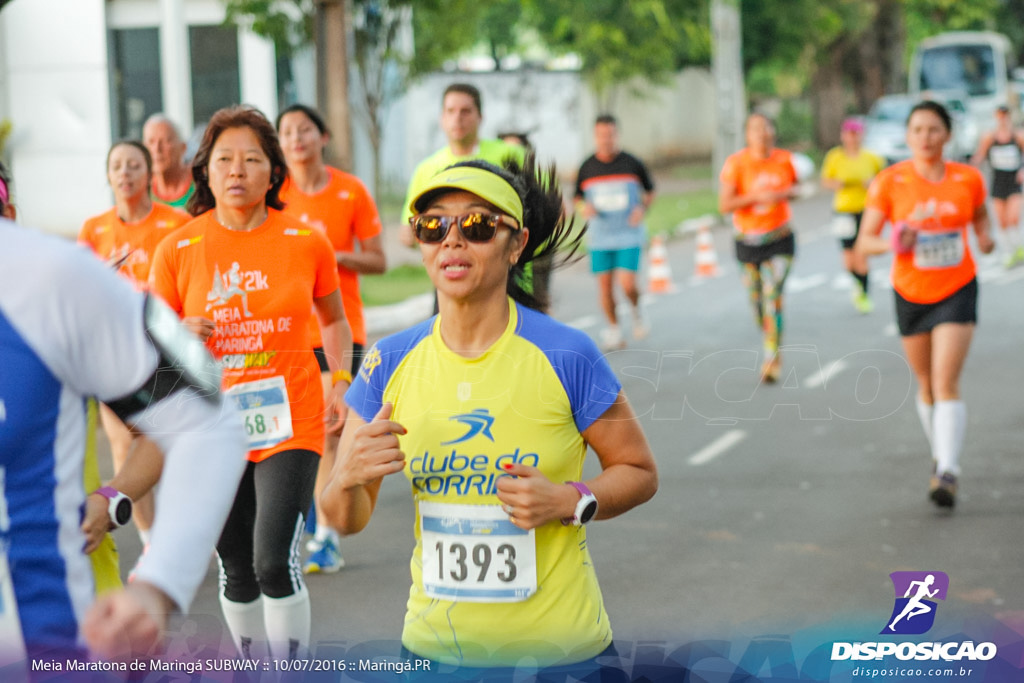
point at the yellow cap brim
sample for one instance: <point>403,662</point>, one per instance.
<point>484,184</point>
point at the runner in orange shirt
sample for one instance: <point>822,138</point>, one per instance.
<point>245,277</point>
<point>756,185</point>
<point>930,202</point>
<point>340,205</point>
<point>125,237</point>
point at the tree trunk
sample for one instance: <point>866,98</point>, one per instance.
<point>829,95</point>
<point>332,79</point>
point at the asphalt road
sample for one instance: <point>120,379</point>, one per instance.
<point>782,508</point>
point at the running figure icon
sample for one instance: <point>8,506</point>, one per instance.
<point>220,294</point>
<point>915,606</point>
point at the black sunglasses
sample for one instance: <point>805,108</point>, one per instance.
<point>475,227</point>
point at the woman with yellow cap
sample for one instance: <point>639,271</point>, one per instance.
<point>488,409</point>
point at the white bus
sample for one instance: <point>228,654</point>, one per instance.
<point>975,66</point>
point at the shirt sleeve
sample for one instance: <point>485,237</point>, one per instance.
<point>879,197</point>
<point>366,394</point>
<point>828,166</point>
<point>644,176</point>
<point>85,236</point>
<point>162,276</point>
<point>729,174</point>
<point>591,385</point>
<point>367,217</point>
<point>87,322</point>
<point>326,266</point>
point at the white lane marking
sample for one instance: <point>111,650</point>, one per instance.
<point>799,284</point>
<point>584,322</point>
<point>826,373</point>
<point>717,447</point>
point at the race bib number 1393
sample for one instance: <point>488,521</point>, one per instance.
<point>474,553</point>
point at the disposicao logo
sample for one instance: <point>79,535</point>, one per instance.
<point>913,613</point>
<point>479,422</point>
<point>916,593</point>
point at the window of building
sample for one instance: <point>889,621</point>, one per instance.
<point>135,74</point>
<point>215,78</point>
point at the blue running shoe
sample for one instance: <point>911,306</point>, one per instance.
<point>326,560</point>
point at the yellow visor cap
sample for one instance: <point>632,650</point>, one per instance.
<point>488,186</point>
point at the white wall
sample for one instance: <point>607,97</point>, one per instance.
<point>60,107</point>
<point>557,109</point>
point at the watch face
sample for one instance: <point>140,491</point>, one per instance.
<point>123,511</point>
<point>588,512</point>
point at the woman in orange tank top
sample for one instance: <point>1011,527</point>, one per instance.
<point>930,203</point>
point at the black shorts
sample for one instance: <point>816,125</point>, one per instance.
<point>959,307</point>
<point>1004,184</point>
<point>747,253</point>
<point>847,242</point>
<point>357,358</point>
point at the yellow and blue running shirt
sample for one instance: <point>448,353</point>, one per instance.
<point>484,592</point>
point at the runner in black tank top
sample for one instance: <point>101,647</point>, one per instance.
<point>1004,150</point>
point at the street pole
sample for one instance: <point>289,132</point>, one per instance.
<point>332,79</point>
<point>727,71</point>
<point>175,66</point>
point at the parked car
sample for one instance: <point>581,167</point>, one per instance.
<point>885,127</point>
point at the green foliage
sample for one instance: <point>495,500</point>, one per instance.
<point>928,17</point>
<point>288,23</point>
<point>669,209</point>
<point>397,284</point>
<point>618,41</point>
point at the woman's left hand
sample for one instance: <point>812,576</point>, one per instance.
<point>95,521</point>
<point>334,408</point>
<point>531,500</point>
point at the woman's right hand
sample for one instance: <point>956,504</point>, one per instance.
<point>375,451</point>
<point>904,238</point>
<point>199,326</point>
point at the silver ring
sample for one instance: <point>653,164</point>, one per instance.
<point>507,509</point>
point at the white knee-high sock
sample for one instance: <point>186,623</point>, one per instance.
<point>324,532</point>
<point>1011,237</point>
<point>924,413</point>
<point>245,621</point>
<point>950,426</point>
<point>288,624</point>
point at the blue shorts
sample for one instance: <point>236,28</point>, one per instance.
<point>621,259</point>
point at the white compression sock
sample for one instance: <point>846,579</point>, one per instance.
<point>245,621</point>
<point>288,624</point>
<point>1011,237</point>
<point>924,413</point>
<point>950,426</point>
<point>323,532</point>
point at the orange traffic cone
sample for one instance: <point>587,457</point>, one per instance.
<point>707,260</point>
<point>659,275</point>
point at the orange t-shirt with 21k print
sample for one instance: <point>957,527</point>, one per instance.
<point>258,287</point>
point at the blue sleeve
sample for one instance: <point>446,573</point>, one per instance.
<point>588,380</point>
<point>366,395</point>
